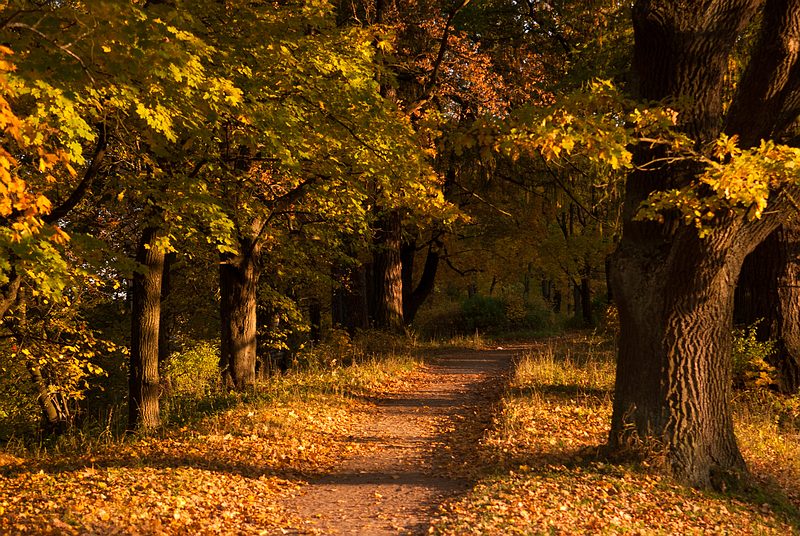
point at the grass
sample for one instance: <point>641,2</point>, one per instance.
<point>226,460</point>
<point>544,472</point>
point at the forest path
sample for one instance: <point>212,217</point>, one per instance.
<point>421,439</point>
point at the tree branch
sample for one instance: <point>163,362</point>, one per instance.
<point>62,48</point>
<point>88,178</point>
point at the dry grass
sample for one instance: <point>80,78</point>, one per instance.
<point>548,475</point>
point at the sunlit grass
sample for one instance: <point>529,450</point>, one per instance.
<point>475,341</point>
<point>547,474</point>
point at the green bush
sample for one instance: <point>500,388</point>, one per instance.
<point>750,366</point>
<point>440,319</point>
<point>483,313</point>
<point>446,318</point>
<point>193,371</point>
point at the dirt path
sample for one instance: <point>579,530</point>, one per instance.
<point>418,436</point>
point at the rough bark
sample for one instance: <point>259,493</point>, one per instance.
<point>167,321</point>
<point>238,283</point>
<point>768,292</point>
<point>673,289</point>
<point>144,384</point>
<point>388,279</point>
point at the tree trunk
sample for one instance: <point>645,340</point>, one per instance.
<point>349,300</point>
<point>55,419</point>
<point>9,291</point>
<point>674,290</point>
<point>414,297</point>
<point>768,291</point>
<point>586,302</point>
<point>315,320</point>
<point>673,371</point>
<point>238,282</point>
<point>167,321</point>
<point>388,314</point>
<point>144,384</point>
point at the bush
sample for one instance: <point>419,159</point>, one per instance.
<point>440,319</point>
<point>446,319</point>
<point>194,371</point>
<point>750,366</point>
<point>483,313</point>
<point>338,349</point>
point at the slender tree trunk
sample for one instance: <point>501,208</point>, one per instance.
<point>414,297</point>
<point>144,384</point>
<point>768,291</point>
<point>388,313</point>
<point>315,320</point>
<point>9,291</point>
<point>238,282</point>
<point>576,299</point>
<point>54,419</point>
<point>586,302</point>
<point>349,300</point>
<point>167,321</point>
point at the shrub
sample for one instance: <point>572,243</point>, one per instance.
<point>483,313</point>
<point>750,366</point>
<point>193,371</point>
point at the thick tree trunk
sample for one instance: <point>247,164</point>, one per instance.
<point>388,279</point>
<point>673,372</point>
<point>144,384</point>
<point>674,290</point>
<point>238,283</point>
<point>768,291</point>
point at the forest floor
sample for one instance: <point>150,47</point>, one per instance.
<point>495,441</point>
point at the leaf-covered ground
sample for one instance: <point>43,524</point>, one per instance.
<point>544,474</point>
<point>226,473</point>
<point>528,452</point>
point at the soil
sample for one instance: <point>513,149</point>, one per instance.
<point>420,442</point>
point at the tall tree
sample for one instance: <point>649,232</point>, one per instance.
<point>144,383</point>
<point>674,285</point>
